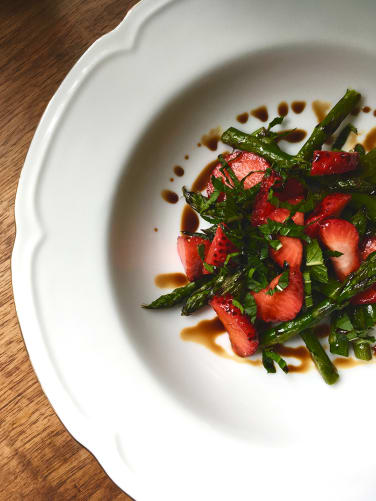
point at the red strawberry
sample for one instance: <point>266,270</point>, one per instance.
<point>368,296</point>
<point>262,207</point>
<point>283,305</point>
<point>342,236</point>
<point>242,163</point>
<point>280,215</point>
<point>291,190</point>
<point>243,335</point>
<point>368,246</point>
<point>292,248</point>
<point>333,162</point>
<point>188,253</point>
<point>330,206</point>
<point>219,248</point>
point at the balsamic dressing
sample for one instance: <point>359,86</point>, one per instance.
<point>169,196</point>
<point>170,280</point>
<point>370,141</point>
<point>300,353</point>
<point>178,170</point>
<point>261,113</point>
<point>189,220</point>
<point>320,109</point>
<point>206,333</point>
<point>294,136</point>
<point>211,139</point>
<point>203,178</point>
<point>283,109</point>
<point>366,109</point>
<point>298,106</point>
<point>243,117</point>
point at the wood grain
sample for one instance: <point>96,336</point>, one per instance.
<point>39,43</point>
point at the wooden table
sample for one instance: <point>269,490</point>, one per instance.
<point>40,40</point>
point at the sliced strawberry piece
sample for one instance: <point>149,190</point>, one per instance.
<point>333,162</point>
<point>292,248</point>
<point>291,190</point>
<point>342,236</point>
<point>291,252</point>
<point>243,335</point>
<point>368,246</point>
<point>368,296</point>
<point>242,163</point>
<point>280,215</point>
<point>283,305</point>
<point>188,253</point>
<point>219,248</point>
<point>330,206</point>
<point>262,207</point>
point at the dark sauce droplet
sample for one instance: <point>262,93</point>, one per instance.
<point>179,171</point>
<point>242,118</point>
<point>283,109</point>
<point>169,196</point>
<point>189,220</point>
<point>171,179</point>
<point>298,106</point>
<point>366,109</point>
<point>294,136</point>
<point>186,157</point>
<point>211,139</point>
<point>199,145</point>
<point>374,113</point>
<point>155,229</point>
<point>203,178</point>
<point>370,141</point>
<point>170,280</point>
<point>261,113</point>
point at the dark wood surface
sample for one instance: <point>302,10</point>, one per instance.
<point>40,40</point>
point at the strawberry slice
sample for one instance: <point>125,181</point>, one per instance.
<point>243,335</point>
<point>291,251</point>
<point>280,215</point>
<point>283,305</point>
<point>219,248</point>
<point>188,253</point>
<point>333,162</point>
<point>242,163</point>
<point>291,190</point>
<point>330,206</point>
<point>342,236</point>
<point>368,246</point>
<point>368,296</point>
<point>262,207</point>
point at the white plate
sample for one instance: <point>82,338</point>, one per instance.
<point>169,420</point>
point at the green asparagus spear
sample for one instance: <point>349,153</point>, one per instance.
<point>349,184</point>
<point>320,358</point>
<point>269,150</point>
<point>177,295</point>
<point>362,349</point>
<point>343,136</point>
<point>331,122</point>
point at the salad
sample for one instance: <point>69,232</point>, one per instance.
<point>291,241</point>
